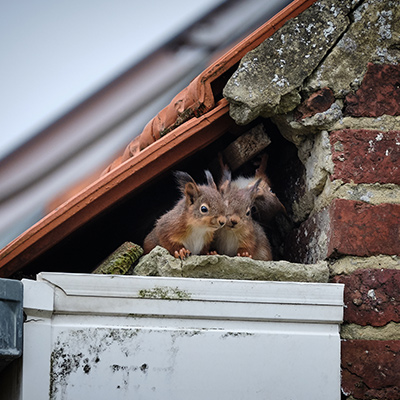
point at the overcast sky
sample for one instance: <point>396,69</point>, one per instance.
<point>55,52</point>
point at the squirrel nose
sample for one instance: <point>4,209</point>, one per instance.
<point>234,220</point>
<point>222,221</point>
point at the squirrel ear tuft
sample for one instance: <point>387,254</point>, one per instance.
<point>225,184</point>
<point>182,178</point>
<point>210,179</point>
<point>255,190</point>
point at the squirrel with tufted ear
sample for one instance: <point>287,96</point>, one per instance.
<point>189,227</point>
<point>241,235</point>
<point>266,204</point>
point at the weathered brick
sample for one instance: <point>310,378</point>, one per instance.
<point>371,369</point>
<point>318,102</point>
<point>346,227</point>
<point>371,296</point>
<point>378,94</point>
<point>366,156</point>
<point>362,229</point>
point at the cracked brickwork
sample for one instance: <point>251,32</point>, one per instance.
<point>371,297</point>
<point>366,156</point>
<point>371,369</point>
<point>379,93</point>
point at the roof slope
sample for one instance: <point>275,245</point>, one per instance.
<point>197,116</point>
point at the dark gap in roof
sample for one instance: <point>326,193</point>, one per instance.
<point>130,219</point>
<point>133,217</point>
<point>286,173</point>
<point>218,84</point>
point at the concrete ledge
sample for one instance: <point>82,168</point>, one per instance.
<point>160,263</point>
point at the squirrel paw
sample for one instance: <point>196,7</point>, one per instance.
<point>182,253</point>
<point>244,254</point>
<point>212,253</point>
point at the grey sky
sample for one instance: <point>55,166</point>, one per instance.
<point>54,53</point>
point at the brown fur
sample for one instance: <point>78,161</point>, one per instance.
<point>187,228</point>
<point>241,235</point>
<point>266,203</point>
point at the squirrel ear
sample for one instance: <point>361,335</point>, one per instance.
<point>255,190</point>
<point>225,184</point>
<point>182,178</point>
<point>210,179</point>
<point>191,192</point>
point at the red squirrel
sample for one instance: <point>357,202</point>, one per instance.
<point>241,235</point>
<point>266,203</point>
<point>189,227</point>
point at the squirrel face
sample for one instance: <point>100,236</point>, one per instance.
<point>188,228</point>
<point>205,207</point>
<point>239,203</point>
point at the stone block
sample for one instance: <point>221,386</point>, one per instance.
<point>268,78</point>
<point>309,242</point>
<point>371,369</point>
<point>371,37</point>
<point>160,263</point>
<point>366,156</point>
<point>371,296</point>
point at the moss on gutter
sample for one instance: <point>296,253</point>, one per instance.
<point>164,293</point>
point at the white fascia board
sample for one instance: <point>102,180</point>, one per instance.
<point>197,298</point>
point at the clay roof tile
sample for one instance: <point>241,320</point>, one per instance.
<point>193,119</point>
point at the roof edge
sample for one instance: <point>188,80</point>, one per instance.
<point>114,186</point>
<point>198,97</point>
<point>193,110</point>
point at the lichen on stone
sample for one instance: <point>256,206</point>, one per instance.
<point>160,263</point>
<point>373,36</point>
<point>121,260</point>
<point>279,66</point>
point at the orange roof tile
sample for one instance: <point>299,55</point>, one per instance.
<point>196,117</point>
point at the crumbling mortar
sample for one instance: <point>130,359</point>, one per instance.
<point>349,264</point>
<point>352,331</point>
<point>383,123</point>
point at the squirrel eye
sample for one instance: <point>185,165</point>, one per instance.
<point>203,208</point>
<point>248,212</point>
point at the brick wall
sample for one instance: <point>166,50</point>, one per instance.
<point>338,102</point>
<point>355,225</point>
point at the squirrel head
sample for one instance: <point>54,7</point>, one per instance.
<point>204,206</point>
<point>239,202</point>
<point>266,203</point>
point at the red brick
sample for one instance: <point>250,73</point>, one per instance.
<point>349,228</point>
<point>366,156</point>
<point>362,229</point>
<point>378,94</point>
<point>371,369</point>
<point>371,297</point>
<point>318,102</point>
